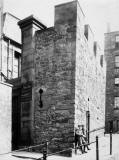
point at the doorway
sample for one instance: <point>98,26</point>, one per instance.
<point>16,118</point>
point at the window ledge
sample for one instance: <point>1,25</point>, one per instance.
<point>116,108</point>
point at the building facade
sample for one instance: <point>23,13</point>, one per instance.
<point>62,79</point>
<point>5,117</point>
<point>112,81</point>
<point>1,26</point>
<point>5,88</point>
<point>10,47</point>
<point>10,67</point>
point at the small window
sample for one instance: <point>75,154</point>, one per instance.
<point>101,60</point>
<point>117,38</point>
<point>116,71</point>
<point>9,74</point>
<point>17,64</point>
<point>95,48</point>
<point>17,54</point>
<point>116,102</point>
<point>116,61</point>
<point>116,81</point>
<point>117,41</point>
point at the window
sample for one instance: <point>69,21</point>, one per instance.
<point>4,59</point>
<point>116,71</point>
<point>116,61</point>
<point>116,81</point>
<point>117,38</point>
<point>101,60</point>
<point>10,63</point>
<point>116,102</point>
<point>17,64</point>
<point>117,41</point>
<point>95,48</point>
<point>9,74</point>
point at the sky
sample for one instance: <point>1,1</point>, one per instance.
<point>98,13</point>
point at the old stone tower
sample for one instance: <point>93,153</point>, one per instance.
<point>62,77</point>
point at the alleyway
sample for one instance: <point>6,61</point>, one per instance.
<point>104,150</point>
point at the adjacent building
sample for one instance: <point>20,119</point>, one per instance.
<point>5,117</point>
<point>5,102</point>
<point>10,67</point>
<point>62,80</point>
<point>112,81</point>
<point>10,47</point>
<point>1,26</point>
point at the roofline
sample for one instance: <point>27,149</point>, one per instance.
<point>12,15</point>
<point>6,38</point>
<point>62,4</point>
<point>45,30</point>
<point>80,7</point>
<point>111,32</point>
<point>31,19</point>
<point>69,3</point>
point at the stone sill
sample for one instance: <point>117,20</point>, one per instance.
<point>116,108</point>
<point>116,67</point>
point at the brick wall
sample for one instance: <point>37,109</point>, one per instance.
<point>5,117</point>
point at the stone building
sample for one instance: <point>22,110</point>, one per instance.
<point>1,13</point>
<point>5,102</point>
<point>10,67</point>
<point>62,79</point>
<point>5,117</point>
<point>10,58</point>
<point>112,81</point>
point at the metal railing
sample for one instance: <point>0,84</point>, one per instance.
<point>46,155</point>
<point>45,152</point>
<point>97,129</point>
<point>46,145</point>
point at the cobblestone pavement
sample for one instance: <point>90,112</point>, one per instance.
<point>104,151</point>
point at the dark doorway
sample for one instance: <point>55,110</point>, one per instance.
<point>117,125</point>
<point>16,118</point>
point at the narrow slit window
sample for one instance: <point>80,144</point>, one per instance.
<point>116,102</point>
<point>116,61</point>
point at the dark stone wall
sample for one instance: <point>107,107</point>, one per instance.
<point>55,74</point>
<point>61,62</point>
<point>27,81</point>
<point>111,89</point>
<point>69,73</point>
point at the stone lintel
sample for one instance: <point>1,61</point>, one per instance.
<point>31,20</point>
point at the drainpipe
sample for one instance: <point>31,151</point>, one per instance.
<point>8,49</point>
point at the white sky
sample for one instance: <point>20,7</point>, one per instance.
<point>98,13</point>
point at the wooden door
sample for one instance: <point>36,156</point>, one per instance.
<point>16,122</point>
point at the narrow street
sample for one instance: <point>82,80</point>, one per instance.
<point>104,151</point>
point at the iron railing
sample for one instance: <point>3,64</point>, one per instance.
<point>46,145</point>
